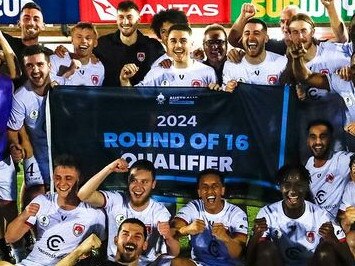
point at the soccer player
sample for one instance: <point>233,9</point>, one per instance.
<point>62,221</point>
<point>138,204</point>
<point>346,212</point>
<point>28,109</point>
<point>161,23</point>
<point>294,231</point>
<point>217,229</point>
<point>328,169</point>
<point>77,68</point>
<point>184,71</point>
<point>131,241</point>
<point>258,66</point>
<point>127,46</point>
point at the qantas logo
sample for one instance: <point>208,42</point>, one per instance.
<point>107,11</point>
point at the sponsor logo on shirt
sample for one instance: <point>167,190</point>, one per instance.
<point>320,197</point>
<point>78,229</point>
<point>141,56</point>
<point>53,242</point>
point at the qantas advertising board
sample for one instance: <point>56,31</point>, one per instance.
<point>202,11</point>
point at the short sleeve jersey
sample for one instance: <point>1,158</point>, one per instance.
<point>28,108</point>
<point>196,75</point>
<point>61,231</point>
<point>266,73</point>
<point>87,75</point>
<point>296,239</point>
<point>329,181</point>
<point>205,247</point>
<point>348,198</point>
<point>118,209</point>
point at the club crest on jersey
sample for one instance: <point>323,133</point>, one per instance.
<point>78,229</point>
<point>310,236</point>
<point>140,56</point>
<point>196,83</point>
<point>34,114</point>
<point>43,220</point>
<point>119,218</point>
<point>95,79</point>
<point>165,83</point>
<point>272,79</point>
<point>324,71</point>
<point>329,178</point>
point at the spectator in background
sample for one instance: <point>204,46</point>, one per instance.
<point>328,169</point>
<point>217,229</point>
<point>294,231</point>
<point>346,212</point>
<point>127,46</point>
<point>184,71</point>
<point>138,204</point>
<point>215,47</point>
<point>62,221</point>
<point>258,66</point>
<point>77,68</point>
<point>161,23</point>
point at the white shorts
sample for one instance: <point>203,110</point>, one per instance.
<point>8,180</point>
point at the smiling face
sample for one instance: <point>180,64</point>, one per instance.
<point>254,39</point>
<point>66,180</point>
<point>127,21</point>
<point>179,46</point>
<point>141,184</point>
<point>31,23</point>
<point>294,190</point>
<point>37,69</point>
<point>130,243</point>
<point>215,46</point>
<point>211,190</point>
<point>84,40</point>
<point>319,141</point>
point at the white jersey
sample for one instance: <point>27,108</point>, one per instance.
<point>296,239</point>
<point>60,231</point>
<point>206,249</point>
<point>28,108</point>
<point>346,91</point>
<point>196,75</point>
<point>328,182</point>
<point>348,198</point>
<point>160,59</point>
<point>118,209</point>
<point>87,75</point>
<point>329,57</point>
<point>266,73</point>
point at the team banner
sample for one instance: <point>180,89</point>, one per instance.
<point>58,11</point>
<point>202,12</point>
<point>269,10</point>
<point>245,135</point>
